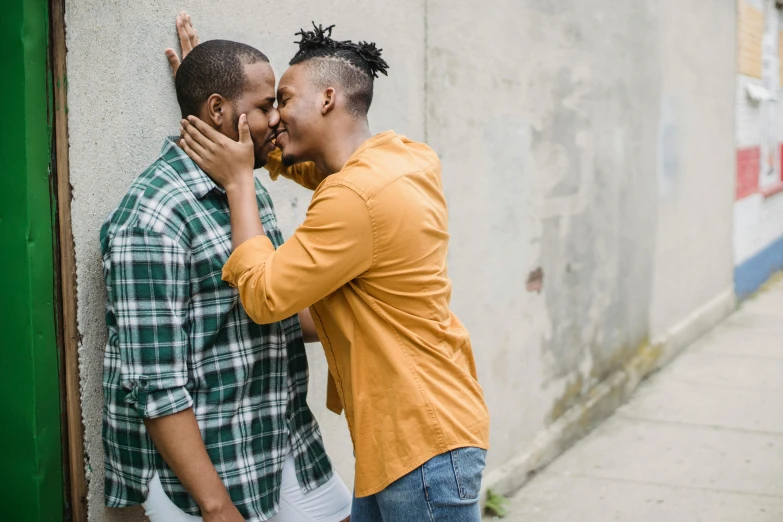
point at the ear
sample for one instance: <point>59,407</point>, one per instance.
<point>216,110</point>
<point>329,101</point>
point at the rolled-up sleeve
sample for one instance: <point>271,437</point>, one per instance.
<point>305,174</point>
<point>149,291</point>
<point>333,246</point>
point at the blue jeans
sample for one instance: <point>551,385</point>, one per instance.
<point>445,489</point>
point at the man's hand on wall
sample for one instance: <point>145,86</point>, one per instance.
<point>188,39</point>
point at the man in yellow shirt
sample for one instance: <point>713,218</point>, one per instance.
<point>370,262</point>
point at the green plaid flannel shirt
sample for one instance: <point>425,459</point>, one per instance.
<point>179,338</point>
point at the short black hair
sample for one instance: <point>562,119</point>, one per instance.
<point>213,67</point>
<point>353,66</point>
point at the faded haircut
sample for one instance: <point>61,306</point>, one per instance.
<point>351,66</point>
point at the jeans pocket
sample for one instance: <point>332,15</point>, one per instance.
<point>468,464</point>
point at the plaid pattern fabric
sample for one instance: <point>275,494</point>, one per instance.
<point>179,338</point>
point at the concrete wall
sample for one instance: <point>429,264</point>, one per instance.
<point>585,164</point>
<point>580,141</point>
<point>548,153</point>
<point>695,114</point>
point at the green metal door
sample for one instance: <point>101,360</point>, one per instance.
<point>31,474</point>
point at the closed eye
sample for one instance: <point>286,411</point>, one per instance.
<point>267,105</point>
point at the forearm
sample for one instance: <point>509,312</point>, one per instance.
<point>178,439</point>
<point>333,246</point>
<point>309,333</point>
<point>245,219</point>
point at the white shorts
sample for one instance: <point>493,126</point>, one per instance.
<point>331,502</point>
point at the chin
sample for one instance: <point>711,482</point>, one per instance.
<point>289,159</point>
<point>261,159</point>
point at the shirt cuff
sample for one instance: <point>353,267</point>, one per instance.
<point>151,404</point>
<point>249,254</point>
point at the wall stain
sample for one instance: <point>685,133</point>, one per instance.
<point>535,280</point>
<point>640,360</point>
<point>644,351</point>
<point>645,359</point>
<point>570,397</point>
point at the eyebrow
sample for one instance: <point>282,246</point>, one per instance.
<point>270,100</point>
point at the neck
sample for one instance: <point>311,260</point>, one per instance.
<point>347,140</point>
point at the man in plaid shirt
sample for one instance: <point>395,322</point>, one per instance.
<point>205,411</point>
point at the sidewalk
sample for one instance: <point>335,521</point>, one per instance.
<point>702,440</point>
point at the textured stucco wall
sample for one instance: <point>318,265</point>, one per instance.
<point>574,140</point>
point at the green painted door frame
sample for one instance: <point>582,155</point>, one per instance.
<point>31,474</point>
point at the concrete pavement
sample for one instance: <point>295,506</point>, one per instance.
<point>702,440</point>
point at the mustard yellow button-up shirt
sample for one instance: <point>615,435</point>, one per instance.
<point>370,261</point>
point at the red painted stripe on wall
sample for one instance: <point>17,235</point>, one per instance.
<point>748,164</point>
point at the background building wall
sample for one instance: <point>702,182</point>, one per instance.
<point>758,209</point>
<point>589,174</point>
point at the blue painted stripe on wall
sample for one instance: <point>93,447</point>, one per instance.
<point>750,275</point>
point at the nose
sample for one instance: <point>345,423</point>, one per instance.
<point>274,117</point>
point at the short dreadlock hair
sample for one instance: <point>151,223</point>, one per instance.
<point>213,67</point>
<point>352,66</point>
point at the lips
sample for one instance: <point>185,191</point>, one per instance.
<point>280,133</point>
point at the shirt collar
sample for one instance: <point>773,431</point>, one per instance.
<point>196,179</point>
<point>378,139</point>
